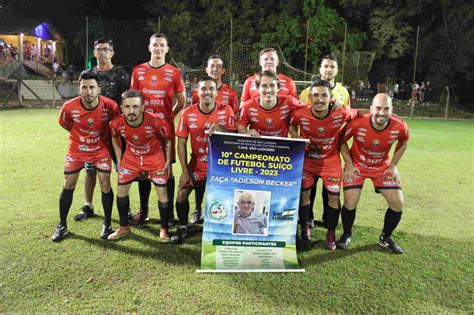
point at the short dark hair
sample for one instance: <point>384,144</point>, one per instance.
<point>132,93</point>
<point>330,57</point>
<point>88,75</point>
<point>104,41</point>
<point>266,73</point>
<point>215,57</point>
<point>159,35</point>
<point>207,78</point>
<point>320,82</point>
<point>268,50</point>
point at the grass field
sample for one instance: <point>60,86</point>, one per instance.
<point>85,274</point>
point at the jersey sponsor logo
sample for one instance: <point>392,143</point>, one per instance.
<point>337,117</point>
<point>171,71</point>
<point>389,183</point>
<point>253,114</point>
<point>158,181</point>
<point>154,92</point>
<point>304,119</point>
<point>306,128</point>
<point>221,117</point>
<point>284,106</point>
<point>362,129</point>
<point>361,139</point>
<point>394,131</point>
<point>74,111</point>
<point>252,109</point>
<point>170,79</point>
<point>192,115</point>
<point>336,125</point>
<point>285,111</point>
<point>254,119</point>
<point>193,126</point>
<point>361,133</point>
<point>141,78</point>
<point>192,119</point>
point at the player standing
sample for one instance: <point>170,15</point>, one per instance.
<point>194,122</point>
<point>113,80</point>
<point>225,94</point>
<point>374,134</point>
<point>145,135</point>
<point>328,71</point>
<point>268,61</point>
<point>321,127</point>
<point>163,94</point>
<point>86,118</point>
<point>269,113</point>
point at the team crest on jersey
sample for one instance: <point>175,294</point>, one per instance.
<point>269,122</point>
<point>321,130</point>
<point>376,142</point>
<point>135,138</point>
<point>154,80</point>
<point>90,121</point>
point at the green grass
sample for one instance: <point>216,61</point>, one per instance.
<point>85,274</point>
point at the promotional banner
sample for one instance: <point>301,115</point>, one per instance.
<point>252,199</point>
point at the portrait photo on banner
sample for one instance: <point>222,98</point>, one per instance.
<point>251,212</point>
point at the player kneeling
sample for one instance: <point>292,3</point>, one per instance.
<point>145,135</point>
<point>374,135</point>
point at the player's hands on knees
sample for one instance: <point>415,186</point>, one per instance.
<point>392,173</point>
<point>349,171</point>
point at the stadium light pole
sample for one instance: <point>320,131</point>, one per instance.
<point>412,109</point>
<point>344,53</point>
<point>87,43</point>
<point>306,50</point>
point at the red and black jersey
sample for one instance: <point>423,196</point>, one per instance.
<point>371,147</point>
<point>250,90</point>
<point>88,128</point>
<point>194,123</point>
<point>144,143</point>
<point>225,95</point>
<point>158,86</point>
<point>273,122</point>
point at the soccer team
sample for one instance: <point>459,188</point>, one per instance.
<point>140,138</point>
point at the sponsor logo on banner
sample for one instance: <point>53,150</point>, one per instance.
<point>286,215</point>
<point>217,211</point>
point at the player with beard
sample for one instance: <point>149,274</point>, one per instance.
<point>86,118</point>
<point>164,94</point>
<point>113,80</point>
<point>147,137</point>
<point>373,136</point>
<point>268,61</point>
<point>205,116</point>
<point>321,127</point>
<point>328,71</point>
<point>269,113</point>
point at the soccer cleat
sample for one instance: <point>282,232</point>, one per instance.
<point>344,241</point>
<point>164,236</point>
<point>60,233</point>
<point>389,243</point>
<point>86,212</point>
<point>331,240</point>
<point>305,233</point>
<point>141,218</point>
<point>197,217</point>
<point>106,231</point>
<point>121,232</point>
<point>181,233</point>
